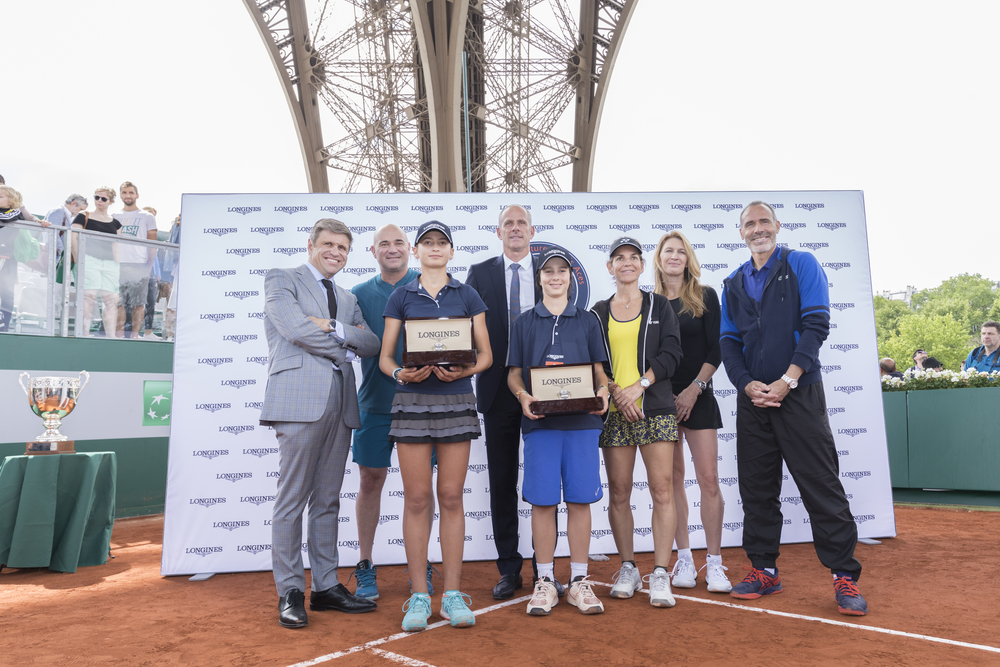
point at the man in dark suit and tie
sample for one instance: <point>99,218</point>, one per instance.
<point>314,331</point>
<point>507,286</point>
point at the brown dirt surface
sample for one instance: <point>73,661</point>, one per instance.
<point>938,578</point>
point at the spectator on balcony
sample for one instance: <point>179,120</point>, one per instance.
<point>932,364</point>
<point>100,271</point>
<point>25,215</point>
<point>63,216</point>
<point>887,366</point>
<point>16,245</point>
<point>136,260</point>
<point>169,281</point>
<point>986,358</point>
<point>918,361</point>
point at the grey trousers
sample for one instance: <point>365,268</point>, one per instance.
<point>312,456</point>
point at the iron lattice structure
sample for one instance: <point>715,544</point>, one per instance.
<point>446,95</point>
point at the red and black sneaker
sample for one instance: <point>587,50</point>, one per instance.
<point>757,583</point>
<point>849,600</point>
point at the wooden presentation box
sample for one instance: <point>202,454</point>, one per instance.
<point>431,341</point>
<point>566,389</point>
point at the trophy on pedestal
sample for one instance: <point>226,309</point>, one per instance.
<point>52,398</point>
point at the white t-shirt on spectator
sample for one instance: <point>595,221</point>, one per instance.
<point>135,224</point>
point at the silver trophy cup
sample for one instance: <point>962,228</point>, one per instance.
<point>52,398</point>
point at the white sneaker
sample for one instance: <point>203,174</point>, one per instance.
<point>684,574</point>
<point>659,589</point>
<point>626,581</point>
<point>581,596</point>
<point>544,598</point>
<point>716,578</point>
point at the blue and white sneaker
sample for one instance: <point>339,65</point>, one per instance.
<point>455,609</point>
<point>430,586</point>
<point>418,610</point>
<point>367,585</point>
<point>849,599</point>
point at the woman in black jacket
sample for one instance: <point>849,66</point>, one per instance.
<point>643,339</point>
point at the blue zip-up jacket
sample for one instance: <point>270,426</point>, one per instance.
<point>787,326</point>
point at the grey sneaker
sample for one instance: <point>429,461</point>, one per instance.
<point>626,581</point>
<point>684,574</point>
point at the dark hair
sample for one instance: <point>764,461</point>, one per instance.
<point>991,323</point>
<point>932,364</point>
<point>918,351</point>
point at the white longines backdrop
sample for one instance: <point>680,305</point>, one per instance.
<point>223,466</point>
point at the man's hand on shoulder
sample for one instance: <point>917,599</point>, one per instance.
<point>763,396</point>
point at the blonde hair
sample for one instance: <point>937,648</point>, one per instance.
<point>13,195</point>
<point>149,209</point>
<point>111,192</point>
<point>691,293</point>
<point>129,184</point>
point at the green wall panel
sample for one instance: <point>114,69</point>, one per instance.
<point>894,408</point>
<point>46,353</point>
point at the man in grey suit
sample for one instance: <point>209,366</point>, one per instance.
<point>314,331</point>
<point>63,216</point>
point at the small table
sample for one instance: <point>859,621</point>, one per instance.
<point>57,511</point>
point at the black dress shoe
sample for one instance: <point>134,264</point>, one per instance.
<point>560,589</point>
<point>340,599</point>
<point>292,609</point>
<point>506,587</point>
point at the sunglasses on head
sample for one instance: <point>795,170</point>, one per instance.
<point>100,198</point>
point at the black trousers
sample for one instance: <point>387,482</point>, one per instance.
<point>503,438</point>
<point>799,433</point>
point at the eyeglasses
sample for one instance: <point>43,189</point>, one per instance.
<point>100,198</point>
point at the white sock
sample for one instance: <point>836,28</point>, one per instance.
<point>546,569</point>
<point>577,570</point>
<point>714,559</point>
<point>771,571</point>
<point>685,554</point>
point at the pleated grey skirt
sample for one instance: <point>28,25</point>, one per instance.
<point>434,418</point>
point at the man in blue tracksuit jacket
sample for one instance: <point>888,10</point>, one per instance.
<point>775,316</point>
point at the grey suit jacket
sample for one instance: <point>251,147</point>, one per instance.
<point>299,372</point>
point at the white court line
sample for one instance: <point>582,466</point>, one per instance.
<point>401,659</point>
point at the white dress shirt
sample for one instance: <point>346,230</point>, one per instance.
<point>338,326</point>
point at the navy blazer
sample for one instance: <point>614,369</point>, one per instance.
<point>487,278</point>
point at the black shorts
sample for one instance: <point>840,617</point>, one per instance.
<point>705,414</point>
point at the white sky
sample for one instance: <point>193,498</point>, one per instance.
<point>899,99</point>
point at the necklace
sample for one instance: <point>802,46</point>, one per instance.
<point>629,304</point>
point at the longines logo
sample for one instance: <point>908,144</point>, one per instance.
<point>843,452</point>
<point>581,228</point>
<point>715,267</point>
<point>457,269</point>
<point>243,294</point>
<point>604,208</point>
<point>407,229</point>
<point>267,231</point>
<point>477,467</point>
<point>239,384</point>
<point>217,317</point>
<point>303,229</point>
<point>814,246</point>
<point>698,246</point>
<point>844,347</point>
<point>842,306</point>
<point>729,481</point>
<point>478,515</point>
<point>258,500</point>
<point>221,273</point>
<point>273,474</point>
<point>724,393</point>
<point>219,231</point>
<point>708,226</point>
<point>362,229</point>
<point>688,483</point>
<point>243,252</point>
<point>258,272</point>
<point>644,208</point>
<point>203,551</point>
<point>731,246</point>
<point>687,208</point>
<point>256,315</point>
<point>236,430</point>
<point>261,452</point>
<point>830,369</point>
<point>861,518</point>
<point>832,226</point>
<point>473,248</point>
<point>350,544</point>
<point>544,228</point>
<point>239,338</point>
<point>852,431</point>
<point>728,208</point>
<point>733,525</point>
<point>381,209</point>
<point>835,411</point>
<point>810,207</point>
<point>206,502</point>
<point>727,436</point>
<point>359,270</point>
<point>386,518</point>
<point>230,525</point>
<point>640,485</point>
<point>471,208</point>
<point>694,528</point>
<point>349,495</point>
<point>215,362</point>
<point>253,548</point>
<point>289,251</point>
<point>794,500</point>
<point>559,208</point>
<point>234,476</point>
<point>856,474</point>
<point>643,532</point>
<point>667,226</point>
<point>624,228</point>
<point>848,389</point>
<point>792,226</point>
<point>257,360</point>
<point>210,453</point>
<point>336,210</point>
<point>524,514</point>
<point>836,266</point>
<point>427,209</point>
<point>396,542</point>
<point>290,209</point>
<point>598,534</point>
<point>395,494</point>
<point>243,210</point>
<point>212,407</point>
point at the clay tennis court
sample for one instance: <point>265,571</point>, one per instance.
<point>933,596</point>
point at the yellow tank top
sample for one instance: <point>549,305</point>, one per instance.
<point>623,338</point>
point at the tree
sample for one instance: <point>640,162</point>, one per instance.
<point>967,298</point>
<point>940,335</point>
<point>888,313</point>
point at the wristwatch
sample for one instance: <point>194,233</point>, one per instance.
<point>791,382</point>
<point>701,385</point>
<point>644,382</point>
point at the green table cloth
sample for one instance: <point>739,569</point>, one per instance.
<point>57,511</point>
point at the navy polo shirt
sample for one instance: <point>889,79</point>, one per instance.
<point>755,279</point>
<point>454,300</point>
<point>540,338</point>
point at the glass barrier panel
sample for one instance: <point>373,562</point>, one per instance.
<point>27,266</point>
